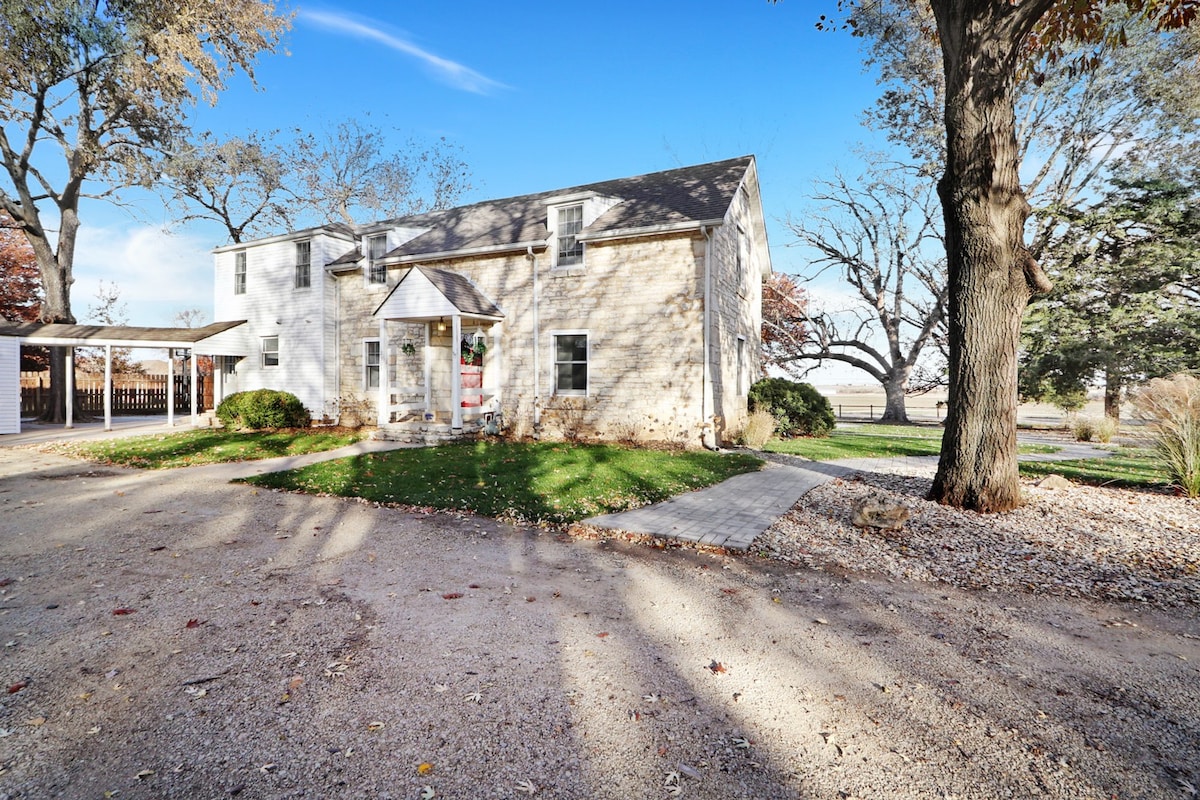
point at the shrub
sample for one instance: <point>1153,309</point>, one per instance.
<point>1105,429</point>
<point>798,408</point>
<point>760,427</point>
<point>1087,429</point>
<point>1083,428</point>
<point>263,408</point>
<point>1170,407</point>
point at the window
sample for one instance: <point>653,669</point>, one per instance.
<point>571,363</point>
<point>371,352</point>
<point>570,223</point>
<point>270,351</point>
<point>303,265</point>
<point>239,272</point>
<point>741,365</point>
<point>376,247</point>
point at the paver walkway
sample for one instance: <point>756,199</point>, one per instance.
<point>733,513</point>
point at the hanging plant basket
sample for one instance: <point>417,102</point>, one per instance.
<point>471,353</point>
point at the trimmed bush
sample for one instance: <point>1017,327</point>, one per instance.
<point>799,409</point>
<point>263,408</point>
<point>1170,407</point>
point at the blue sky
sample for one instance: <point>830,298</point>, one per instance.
<point>538,96</point>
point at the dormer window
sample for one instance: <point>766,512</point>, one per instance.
<point>376,271</point>
<point>570,224</point>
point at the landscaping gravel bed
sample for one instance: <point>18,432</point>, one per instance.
<point>1083,541</point>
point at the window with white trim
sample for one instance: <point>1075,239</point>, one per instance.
<point>571,363</point>
<point>376,271</point>
<point>239,272</point>
<point>270,351</point>
<point>570,224</point>
<point>303,265</point>
<point>371,363</point>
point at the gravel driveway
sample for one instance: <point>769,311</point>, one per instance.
<point>172,637</point>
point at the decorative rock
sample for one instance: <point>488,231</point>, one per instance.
<point>877,511</point>
<point>1054,481</point>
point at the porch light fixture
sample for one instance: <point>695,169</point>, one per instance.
<point>441,324</point>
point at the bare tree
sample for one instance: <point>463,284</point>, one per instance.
<point>882,235</point>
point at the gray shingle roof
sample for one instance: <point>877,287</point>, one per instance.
<point>678,196</point>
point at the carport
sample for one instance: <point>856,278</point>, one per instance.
<point>12,336</point>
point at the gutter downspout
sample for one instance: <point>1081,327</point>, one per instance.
<point>337,346</point>
<point>707,432</point>
<point>537,360</point>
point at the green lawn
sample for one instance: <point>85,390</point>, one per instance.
<point>874,441</point>
<point>207,446</point>
<point>1128,467</point>
<point>551,482</point>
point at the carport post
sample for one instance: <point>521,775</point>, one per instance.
<point>170,388</point>
<point>195,399</point>
<point>455,373</point>
<point>108,387</point>
<point>69,360</point>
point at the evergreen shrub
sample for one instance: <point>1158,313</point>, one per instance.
<point>263,408</point>
<point>799,409</point>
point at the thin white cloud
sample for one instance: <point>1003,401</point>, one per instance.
<point>457,75</point>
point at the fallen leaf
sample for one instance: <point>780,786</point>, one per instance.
<point>375,726</point>
<point>527,787</point>
<point>424,768</point>
<point>717,667</point>
<point>741,743</point>
<point>440,687</point>
<point>267,768</point>
<point>192,623</point>
<point>451,595</point>
<point>295,682</point>
<point>473,697</point>
<point>428,793</point>
<point>18,686</point>
<point>146,773</point>
<point>601,635</point>
<point>121,612</point>
<point>530,599</point>
<point>36,721</point>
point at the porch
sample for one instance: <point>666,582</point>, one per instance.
<point>437,361</point>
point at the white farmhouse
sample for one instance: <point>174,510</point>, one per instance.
<point>628,309</point>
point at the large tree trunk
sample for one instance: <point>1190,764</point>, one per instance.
<point>1112,393</point>
<point>894,390</point>
<point>991,275</point>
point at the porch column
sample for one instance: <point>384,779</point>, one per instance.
<point>195,389</point>
<point>455,372</point>
<point>69,358</point>
<point>218,380</point>
<point>382,403</point>
<point>108,387</point>
<point>428,369</point>
<point>170,388</point>
<point>496,368</point>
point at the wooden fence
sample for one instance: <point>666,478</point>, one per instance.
<point>131,394</point>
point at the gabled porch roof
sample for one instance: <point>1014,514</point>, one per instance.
<point>425,293</point>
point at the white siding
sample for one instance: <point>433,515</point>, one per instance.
<point>415,297</point>
<point>303,319</point>
<point>10,385</point>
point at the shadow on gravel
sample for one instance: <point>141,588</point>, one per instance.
<point>180,640</point>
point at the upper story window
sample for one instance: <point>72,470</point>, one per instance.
<point>570,223</point>
<point>303,265</point>
<point>270,351</point>
<point>571,363</point>
<point>376,247</point>
<point>239,272</point>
